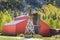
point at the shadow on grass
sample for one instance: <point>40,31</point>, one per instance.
<point>1,34</point>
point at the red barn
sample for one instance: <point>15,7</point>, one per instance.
<point>19,26</point>
<point>15,27</point>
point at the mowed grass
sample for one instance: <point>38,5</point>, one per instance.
<point>56,37</point>
<point>44,38</point>
<point>10,38</point>
<point>7,38</point>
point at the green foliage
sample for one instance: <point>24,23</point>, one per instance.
<point>4,18</point>
<point>50,15</point>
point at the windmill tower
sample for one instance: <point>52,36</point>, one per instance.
<point>30,26</point>
<point>33,22</point>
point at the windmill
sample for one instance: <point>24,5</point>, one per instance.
<point>33,22</point>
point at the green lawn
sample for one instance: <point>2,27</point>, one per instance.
<point>7,38</point>
<point>10,38</point>
<point>57,37</point>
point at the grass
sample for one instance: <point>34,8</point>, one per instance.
<point>22,37</point>
<point>43,38</point>
<point>10,38</point>
<point>1,38</point>
<point>56,37</point>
